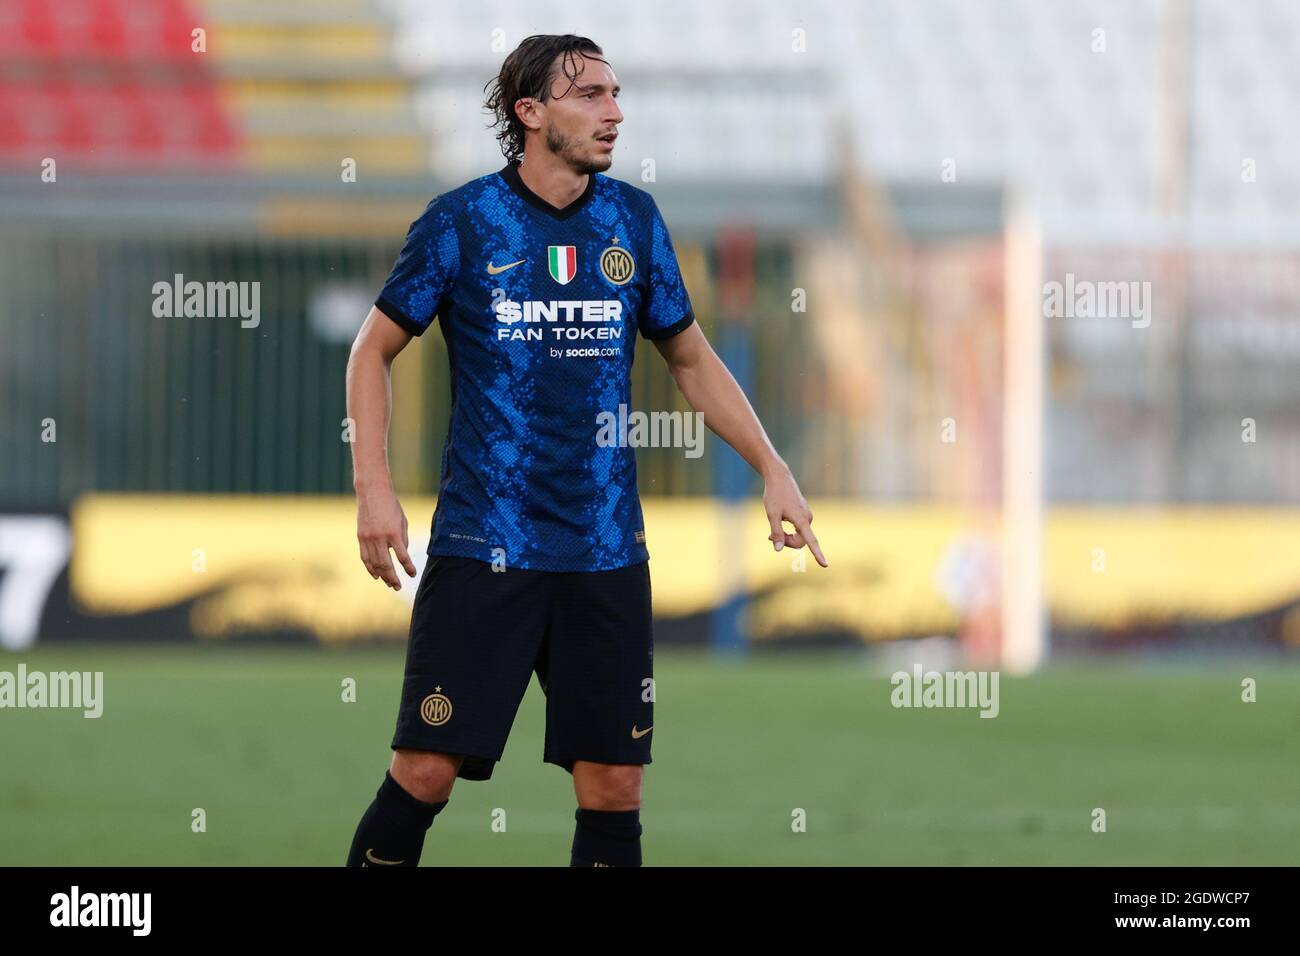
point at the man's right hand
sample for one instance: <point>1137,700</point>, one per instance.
<point>381,525</point>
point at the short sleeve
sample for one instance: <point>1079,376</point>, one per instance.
<point>666,307</point>
<point>425,269</point>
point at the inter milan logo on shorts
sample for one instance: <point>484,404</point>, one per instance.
<point>563,262</point>
<point>616,265</point>
<point>435,710</point>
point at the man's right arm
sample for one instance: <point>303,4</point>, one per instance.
<point>381,524</point>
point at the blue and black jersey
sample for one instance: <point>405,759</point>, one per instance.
<point>540,308</point>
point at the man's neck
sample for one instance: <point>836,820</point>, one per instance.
<point>552,179</point>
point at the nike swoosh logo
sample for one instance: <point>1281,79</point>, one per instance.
<point>370,855</point>
<point>493,270</point>
<point>638,734</point>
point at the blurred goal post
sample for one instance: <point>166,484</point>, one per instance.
<point>1024,644</point>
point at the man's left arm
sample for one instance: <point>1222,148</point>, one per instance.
<point>711,389</point>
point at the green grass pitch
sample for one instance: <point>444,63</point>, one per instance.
<point>260,739</point>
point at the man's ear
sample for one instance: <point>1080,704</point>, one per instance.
<point>526,109</point>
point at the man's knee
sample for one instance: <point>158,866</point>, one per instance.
<point>424,774</point>
<point>602,786</point>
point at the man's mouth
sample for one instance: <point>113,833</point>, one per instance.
<point>607,139</point>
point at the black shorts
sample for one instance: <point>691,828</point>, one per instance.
<point>477,636</point>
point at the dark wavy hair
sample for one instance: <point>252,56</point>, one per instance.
<point>527,72</point>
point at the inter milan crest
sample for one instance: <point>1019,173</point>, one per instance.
<point>616,264</point>
<point>563,262</point>
<point>435,709</point>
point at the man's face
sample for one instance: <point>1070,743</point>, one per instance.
<point>580,120</point>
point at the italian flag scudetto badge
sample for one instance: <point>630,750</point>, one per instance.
<point>563,262</point>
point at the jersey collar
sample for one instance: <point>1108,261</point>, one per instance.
<point>511,175</point>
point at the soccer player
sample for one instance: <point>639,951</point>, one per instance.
<point>541,276</point>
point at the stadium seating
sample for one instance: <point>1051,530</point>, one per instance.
<point>109,84</point>
<point>1018,92</point>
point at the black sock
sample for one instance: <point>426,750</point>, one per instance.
<point>391,832</point>
<point>607,838</point>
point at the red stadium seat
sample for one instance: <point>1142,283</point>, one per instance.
<point>109,83</point>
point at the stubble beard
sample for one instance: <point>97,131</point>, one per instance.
<point>567,150</point>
